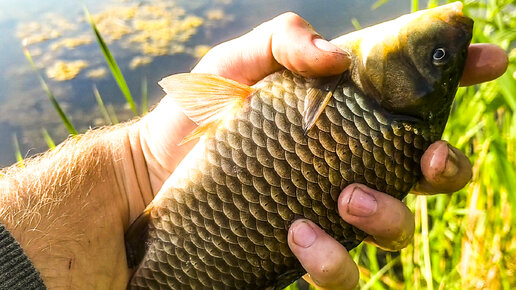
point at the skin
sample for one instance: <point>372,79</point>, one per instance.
<point>77,242</point>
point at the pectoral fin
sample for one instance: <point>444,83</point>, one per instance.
<point>317,98</point>
<point>206,99</point>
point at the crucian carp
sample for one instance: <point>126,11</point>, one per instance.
<point>284,149</point>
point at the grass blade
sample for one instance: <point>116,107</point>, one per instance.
<point>355,23</point>
<point>426,245</point>
<point>414,5</point>
<point>373,266</point>
<point>102,108</point>
<point>17,152</point>
<point>57,107</point>
<point>113,66</point>
<point>376,277</point>
<point>48,139</point>
<point>378,4</point>
<point>432,3</point>
<point>112,114</point>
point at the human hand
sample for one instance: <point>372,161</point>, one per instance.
<point>247,59</point>
<point>289,41</point>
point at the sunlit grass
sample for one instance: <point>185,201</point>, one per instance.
<point>105,114</point>
<point>467,240</point>
<point>17,152</point>
<point>46,88</point>
<point>50,142</point>
<point>113,66</point>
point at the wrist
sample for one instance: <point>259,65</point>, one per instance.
<point>68,209</point>
<point>132,172</point>
<point>160,133</point>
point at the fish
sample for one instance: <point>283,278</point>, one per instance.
<point>285,148</point>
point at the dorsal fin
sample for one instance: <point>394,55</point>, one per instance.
<point>317,97</point>
<point>207,99</point>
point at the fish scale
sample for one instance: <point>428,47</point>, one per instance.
<point>224,224</point>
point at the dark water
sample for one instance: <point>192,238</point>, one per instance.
<point>24,106</point>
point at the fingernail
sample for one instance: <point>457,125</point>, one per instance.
<point>361,204</point>
<point>303,234</point>
<point>450,168</point>
<point>325,45</point>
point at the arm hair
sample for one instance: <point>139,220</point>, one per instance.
<point>61,205</point>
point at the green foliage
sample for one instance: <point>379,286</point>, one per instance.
<point>113,66</point>
<point>50,142</point>
<point>414,5</point>
<point>107,116</point>
<point>57,107</point>
<point>467,240</point>
<point>378,4</point>
<point>17,152</point>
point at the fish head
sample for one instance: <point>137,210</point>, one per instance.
<point>412,65</point>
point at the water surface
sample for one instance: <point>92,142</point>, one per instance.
<point>24,106</point>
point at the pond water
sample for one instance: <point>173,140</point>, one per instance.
<point>61,41</point>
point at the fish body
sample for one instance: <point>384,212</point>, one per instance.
<point>284,149</point>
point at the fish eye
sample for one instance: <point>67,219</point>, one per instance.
<point>439,56</point>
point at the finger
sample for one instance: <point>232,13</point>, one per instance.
<point>386,219</point>
<point>285,41</point>
<point>445,169</point>
<point>327,262</point>
<point>296,46</point>
<point>485,62</point>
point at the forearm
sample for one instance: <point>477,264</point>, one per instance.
<point>69,208</point>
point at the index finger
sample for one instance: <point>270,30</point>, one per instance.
<point>285,41</point>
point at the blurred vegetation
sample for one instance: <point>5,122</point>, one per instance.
<point>463,241</point>
<point>466,240</point>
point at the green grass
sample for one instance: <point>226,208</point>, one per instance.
<point>17,152</point>
<point>48,139</point>
<point>113,66</point>
<point>466,240</point>
<point>108,118</point>
<point>46,88</point>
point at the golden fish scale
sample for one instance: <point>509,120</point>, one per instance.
<point>225,225</point>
